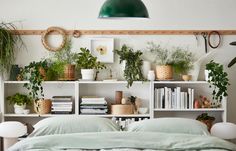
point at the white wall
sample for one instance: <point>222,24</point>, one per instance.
<point>165,14</point>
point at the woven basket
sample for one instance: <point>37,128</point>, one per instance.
<point>69,72</point>
<point>43,106</point>
<point>164,72</point>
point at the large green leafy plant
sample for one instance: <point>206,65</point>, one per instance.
<point>218,79</point>
<point>19,99</point>
<point>32,74</point>
<point>85,60</point>
<point>133,64</point>
<point>8,42</point>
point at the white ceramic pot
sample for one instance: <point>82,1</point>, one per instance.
<point>206,72</point>
<point>88,74</point>
<point>146,68</point>
<point>151,75</point>
<point>19,109</point>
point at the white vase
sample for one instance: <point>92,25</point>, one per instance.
<point>151,75</point>
<point>88,74</point>
<point>145,68</point>
<point>206,73</point>
<point>19,109</point>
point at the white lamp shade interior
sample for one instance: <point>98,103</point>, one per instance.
<point>12,129</point>
<point>224,130</point>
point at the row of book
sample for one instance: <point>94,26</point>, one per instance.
<point>62,105</point>
<point>173,98</point>
<point>93,105</point>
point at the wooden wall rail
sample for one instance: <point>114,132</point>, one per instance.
<point>128,32</point>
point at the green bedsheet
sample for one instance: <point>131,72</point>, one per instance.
<point>114,140</point>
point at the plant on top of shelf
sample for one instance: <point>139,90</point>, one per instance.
<point>35,74</point>
<point>8,43</point>
<point>63,62</point>
<point>218,79</point>
<point>162,57</point>
<point>87,63</point>
<point>133,64</point>
<point>183,62</point>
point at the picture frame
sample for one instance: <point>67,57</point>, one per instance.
<point>103,49</point>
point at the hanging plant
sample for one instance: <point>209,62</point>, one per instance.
<point>218,79</point>
<point>8,42</point>
<point>133,64</point>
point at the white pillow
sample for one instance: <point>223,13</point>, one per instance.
<point>170,125</point>
<point>73,124</point>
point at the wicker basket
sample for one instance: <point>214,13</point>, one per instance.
<point>164,72</point>
<point>69,72</point>
<point>43,106</point>
<point>121,109</point>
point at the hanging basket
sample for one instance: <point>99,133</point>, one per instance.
<point>43,106</point>
<point>164,72</point>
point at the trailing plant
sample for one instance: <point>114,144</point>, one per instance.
<point>183,60</point>
<point>205,116</point>
<point>158,55</point>
<point>19,99</point>
<point>33,74</point>
<point>8,42</point>
<point>133,64</point>
<point>85,60</point>
<point>218,79</point>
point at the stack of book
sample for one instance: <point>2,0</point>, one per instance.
<point>93,105</point>
<point>173,98</point>
<point>62,105</point>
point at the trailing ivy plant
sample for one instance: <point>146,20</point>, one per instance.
<point>34,75</point>
<point>218,79</point>
<point>8,43</point>
<point>133,64</point>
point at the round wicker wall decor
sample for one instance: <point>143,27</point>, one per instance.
<point>45,34</point>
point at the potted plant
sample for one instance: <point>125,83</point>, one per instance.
<point>133,64</point>
<point>20,101</point>
<point>88,64</point>
<point>218,79</point>
<point>63,62</point>
<point>8,43</point>
<point>208,120</point>
<point>183,63</point>
<point>163,59</point>
<point>35,74</point>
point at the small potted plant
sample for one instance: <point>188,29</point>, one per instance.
<point>163,59</point>
<point>133,64</point>
<point>63,63</point>
<point>87,63</point>
<point>208,120</point>
<point>218,79</point>
<point>35,73</point>
<point>183,63</point>
<point>20,101</point>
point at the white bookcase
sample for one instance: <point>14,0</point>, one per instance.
<point>77,89</point>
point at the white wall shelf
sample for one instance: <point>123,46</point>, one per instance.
<point>144,90</point>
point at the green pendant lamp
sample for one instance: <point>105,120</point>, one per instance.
<point>123,9</point>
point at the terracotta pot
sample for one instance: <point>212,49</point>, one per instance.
<point>187,77</point>
<point>43,106</point>
<point>164,72</point>
<point>69,72</point>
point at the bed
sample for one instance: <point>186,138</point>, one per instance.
<point>82,134</point>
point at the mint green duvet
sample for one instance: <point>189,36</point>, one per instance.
<point>123,141</point>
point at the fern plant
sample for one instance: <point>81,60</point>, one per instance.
<point>133,65</point>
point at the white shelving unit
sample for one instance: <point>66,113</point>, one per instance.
<point>77,89</point>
